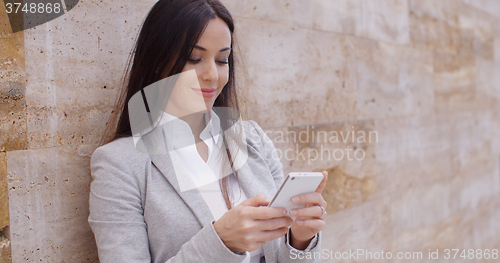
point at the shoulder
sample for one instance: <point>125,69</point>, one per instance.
<point>120,151</point>
<point>255,135</point>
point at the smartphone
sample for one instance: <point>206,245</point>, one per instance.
<point>295,184</point>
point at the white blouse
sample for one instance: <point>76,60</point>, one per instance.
<point>205,175</point>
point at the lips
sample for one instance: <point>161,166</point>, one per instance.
<point>206,93</point>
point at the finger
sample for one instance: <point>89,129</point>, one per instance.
<point>256,201</point>
<point>313,212</point>
<point>322,185</point>
<point>269,235</point>
<point>262,213</point>
<point>314,224</point>
<point>313,198</point>
<point>275,223</point>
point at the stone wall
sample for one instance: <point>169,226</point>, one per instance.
<point>419,78</point>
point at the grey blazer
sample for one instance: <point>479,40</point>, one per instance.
<point>138,213</point>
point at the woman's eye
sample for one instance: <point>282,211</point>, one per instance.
<point>194,61</point>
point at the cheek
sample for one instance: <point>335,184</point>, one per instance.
<point>223,76</point>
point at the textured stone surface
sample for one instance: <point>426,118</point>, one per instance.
<point>422,74</point>
<point>381,20</point>
<point>497,49</point>
<point>341,16</point>
<point>488,81</point>
<point>298,65</point>
<point>12,115</point>
<point>384,20</point>
<point>391,80</point>
<point>12,87</point>
<point>4,194</point>
<point>434,25</point>
<point>50,190</point>
<point>454,82</point>
<point>407,149</point>
<point>5,253</point>
<point>68,105</point>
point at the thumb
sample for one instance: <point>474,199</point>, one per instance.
<point>322,185</point>
<point>256,201</point>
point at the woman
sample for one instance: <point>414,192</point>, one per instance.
<point>139,209</point>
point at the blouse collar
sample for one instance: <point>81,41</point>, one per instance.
<point>179,134</point>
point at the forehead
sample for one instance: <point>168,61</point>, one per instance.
<point>216,35</point>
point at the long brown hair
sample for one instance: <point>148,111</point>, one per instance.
<point>167,37</point>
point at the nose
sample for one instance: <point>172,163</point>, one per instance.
<point>209,72</point>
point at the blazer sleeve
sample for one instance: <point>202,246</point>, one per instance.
<point>116,218</point>
<point>286,253</point>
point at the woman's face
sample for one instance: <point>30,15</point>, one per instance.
<point>205,74</point>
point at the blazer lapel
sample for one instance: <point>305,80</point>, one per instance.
<point>154,143</point>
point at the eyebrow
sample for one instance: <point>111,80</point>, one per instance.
<point>204,49</point>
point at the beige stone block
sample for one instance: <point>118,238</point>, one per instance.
<point>482,26</point>
<point>340,16</point>
<point>385,21</point>
<point>477,185</point>
<point>344,190</point>
<point>489,6</point>
<point>5,253</point>
<point>301,77</point>
<point>408,150</point>
<point>497,49</point>
<point>454,83</point>
<point>4,194</point>
<point>55,126</point>
<point>495,130</point>
<point>472,134</point>
<point>50,189</point>
<point>461,231</point>
<point>391,80</point>
<point>379,20</point>
<point>291,13</point>
<point>13,128</point>
<point>444,10</point>
<point>366,226</point>
<point>444,214</point>
<point>437,35</point>
<point>434,25</point>
<point>11,52</point>
<point>100,36</point>
<point>452,27</point>
<point>12,92</point>
<point>419,207</point>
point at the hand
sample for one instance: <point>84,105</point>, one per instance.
<point>247,226</point>
<point>309,219</point>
